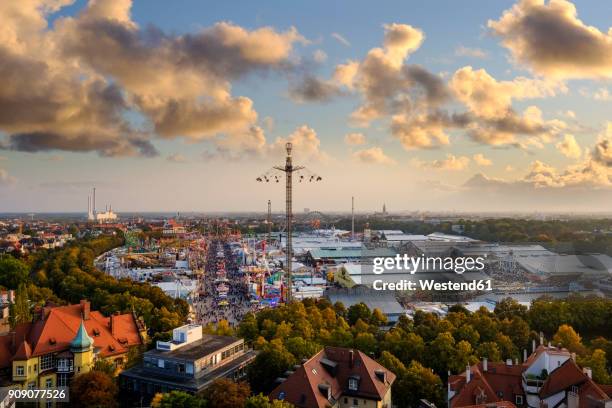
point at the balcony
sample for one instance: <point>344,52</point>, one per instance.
<point>532,384</point>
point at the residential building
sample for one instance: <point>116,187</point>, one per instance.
<point>190,362</point>
<point>64,341</point>
<point>7,297</point>
<point>549,378</point>
<point>338,378</point>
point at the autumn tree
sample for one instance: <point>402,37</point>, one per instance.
<point>567,337</point>
<point>13,272</point>
<point>225,393</point>
<point>178,399</point>
<point>261,401</point>
<point>94,389</point>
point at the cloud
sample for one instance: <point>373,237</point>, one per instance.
<point>462,51</point>
<point>373,155</point>
<point>73,85</point>
<point>569,147</point>
<point>354,139</point>
<point>319,56</point>
<point>5,178</point>
<point>313,89</point>
<point>451,162</point>
<point>602,151</point>
<point>481,160</point>
<point>306,144</point>
<point>549,38</point>
<point>176,158</point>
<point>493,119</point>
<point>341,39</point>
<point>602,94</point>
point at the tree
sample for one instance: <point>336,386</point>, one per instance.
<point>463,357</point>
<point>366,342</point>
<point>261,401</point>
<point>358,311</point>
<point>225,393</point>
<point>567,337</point>
<point>441,351</point>
<point>508,308</point>
<point>378,318</point>
<point>105,366</point>
<point>177,399</point>
<point>19,312</point>
<point>301,348</point>
<point>13,272</point>
<point>412,383</point>
<point>94,389</point>
<point>270,363</point>
<point>248,328</point>
<point>597,363</point>
<point>489,350</point>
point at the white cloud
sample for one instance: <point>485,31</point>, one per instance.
<point>354,139</point>
<point>481,160</point>
<point>569,147</point>
<point>462,51</point>
<point>373,155</point>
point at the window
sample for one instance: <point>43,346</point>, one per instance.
<point>19,370</point>
<point>160,363</point>
<point>353,384</point>
<point>355,402</point>
<point>518,400</point>
<point>62,380</point>
<point>48,383</point>
<point>46,362</point>
<point>180,367</point>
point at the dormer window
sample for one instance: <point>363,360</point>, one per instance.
<point>353,384</point>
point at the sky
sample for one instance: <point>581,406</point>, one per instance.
<point>468,105</point>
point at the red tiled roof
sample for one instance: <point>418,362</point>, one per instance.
<point>58,325</point>
<point>501,382</point>
<point>302,387</point>
<point>23,352</point>
<point>590,389</point>
<point>562,378</point>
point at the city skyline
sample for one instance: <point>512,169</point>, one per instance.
<point>479,106</point>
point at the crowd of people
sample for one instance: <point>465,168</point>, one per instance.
<point>223,293</point>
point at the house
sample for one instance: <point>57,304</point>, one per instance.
<point>190,362</point>
<point>337,377</point>
<point>7,297</point>
<point>64,341</point>
<point>549,378</point>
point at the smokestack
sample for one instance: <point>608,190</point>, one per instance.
<point>485,364</point>
<point>533,346</point>
<point>524,355</point>
<point>468,374</point>
<point>94,202</point>
<point>351,358</point>
<point>541,339</point>
<point>85,308</point>
<point>588,372</point>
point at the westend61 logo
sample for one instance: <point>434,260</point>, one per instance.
<point>413,264</point>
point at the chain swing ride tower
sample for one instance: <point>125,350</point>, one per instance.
<point>303,175</point>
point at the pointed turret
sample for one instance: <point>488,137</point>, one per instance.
<point>81,342</point>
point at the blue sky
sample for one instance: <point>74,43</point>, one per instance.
<point>189,173</point>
